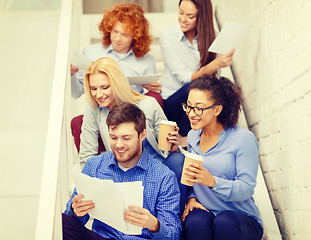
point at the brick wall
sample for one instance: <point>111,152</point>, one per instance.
<point>273,67</point>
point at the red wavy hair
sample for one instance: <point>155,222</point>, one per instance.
<point>132,16</point>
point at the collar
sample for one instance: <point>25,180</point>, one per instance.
<point>182,37</point>
<point>197,137</point>
<point>111,50</point>
<point>180,34</point>
<point>142,162</point>
<point>105,109</point>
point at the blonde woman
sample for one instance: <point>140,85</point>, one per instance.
<point>105,85</point>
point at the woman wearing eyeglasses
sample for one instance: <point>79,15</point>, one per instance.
<point>220,204</point>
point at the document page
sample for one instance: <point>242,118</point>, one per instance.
<point>144,79</point>
<point>132,195</point>
<point>83,62</point>
<point>80,61</point>
<point>111,199</point>
<point>229,37</point>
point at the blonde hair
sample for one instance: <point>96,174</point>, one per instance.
<point>119,84</point>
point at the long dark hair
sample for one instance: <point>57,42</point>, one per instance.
<point>224,92</point>
<point>205,30</point>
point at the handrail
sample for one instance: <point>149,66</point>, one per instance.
<point>49,189</point>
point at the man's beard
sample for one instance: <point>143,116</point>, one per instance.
<point>130,155</point>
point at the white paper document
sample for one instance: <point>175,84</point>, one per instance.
<point>144,79</point>
<point>229,37</point>
<point>111,199</point>
<point>80,61</point>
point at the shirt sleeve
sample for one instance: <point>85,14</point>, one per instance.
<point>83,220</point>
<point>154,114</point>
<point>173,60</point>
<point>77,87</point>
<point>77,79</point>
<point>158,116</point>
<point>89,135</point>
<point>242,187</point>
<point>191,194</point>
<point>168,210</point>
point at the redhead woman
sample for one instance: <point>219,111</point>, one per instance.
<point>185,52</point>
<point>220,205</point>
<point>105,85</point>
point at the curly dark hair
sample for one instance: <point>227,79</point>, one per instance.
<point>224,92</point>
<point>132,16</point>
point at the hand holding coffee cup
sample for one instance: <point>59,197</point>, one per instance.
<point>165,128</point>
<point>190,158</point>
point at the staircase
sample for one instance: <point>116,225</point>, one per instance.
<point>36,143</point>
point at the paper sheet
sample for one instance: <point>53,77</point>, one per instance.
<point>132,194</point>
<point>111,199</point>
<point>83,62</point>
<point>144,79</point>
<point>80,61</point>
<point>229,37</point>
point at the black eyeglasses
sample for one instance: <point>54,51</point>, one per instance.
<point>197,110</point>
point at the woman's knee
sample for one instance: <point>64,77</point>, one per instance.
<point>76,124</point>
<point>199,217</point>
<point>237,226</point>
<point>198,224</point>
<point>226,226</point>
<point>226,219</point>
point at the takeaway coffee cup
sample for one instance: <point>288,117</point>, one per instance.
<point>165,128</point>
<point>190,158</point>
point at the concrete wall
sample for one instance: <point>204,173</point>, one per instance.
<point>273,67</point>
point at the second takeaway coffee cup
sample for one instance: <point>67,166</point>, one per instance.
<point>165,128</point>
<point>190,158</point>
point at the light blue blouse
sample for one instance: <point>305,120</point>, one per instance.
<point>130,65</point>
<point>233,162</point>
<point>181,59</point>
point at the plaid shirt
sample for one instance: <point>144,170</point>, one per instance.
<point>161,194</point>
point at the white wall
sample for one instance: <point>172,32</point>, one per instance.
<point>273,67</point>
<point>27,46</point>
<point>30,5</point>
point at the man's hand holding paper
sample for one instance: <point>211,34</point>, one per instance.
<point>142,218</point>
<point>82,207</point>
<point>110,206</point>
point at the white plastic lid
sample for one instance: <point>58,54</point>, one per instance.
<point>194,156</point>
<point>168,122</point>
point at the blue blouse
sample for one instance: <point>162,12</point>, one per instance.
<point>233,162</point>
